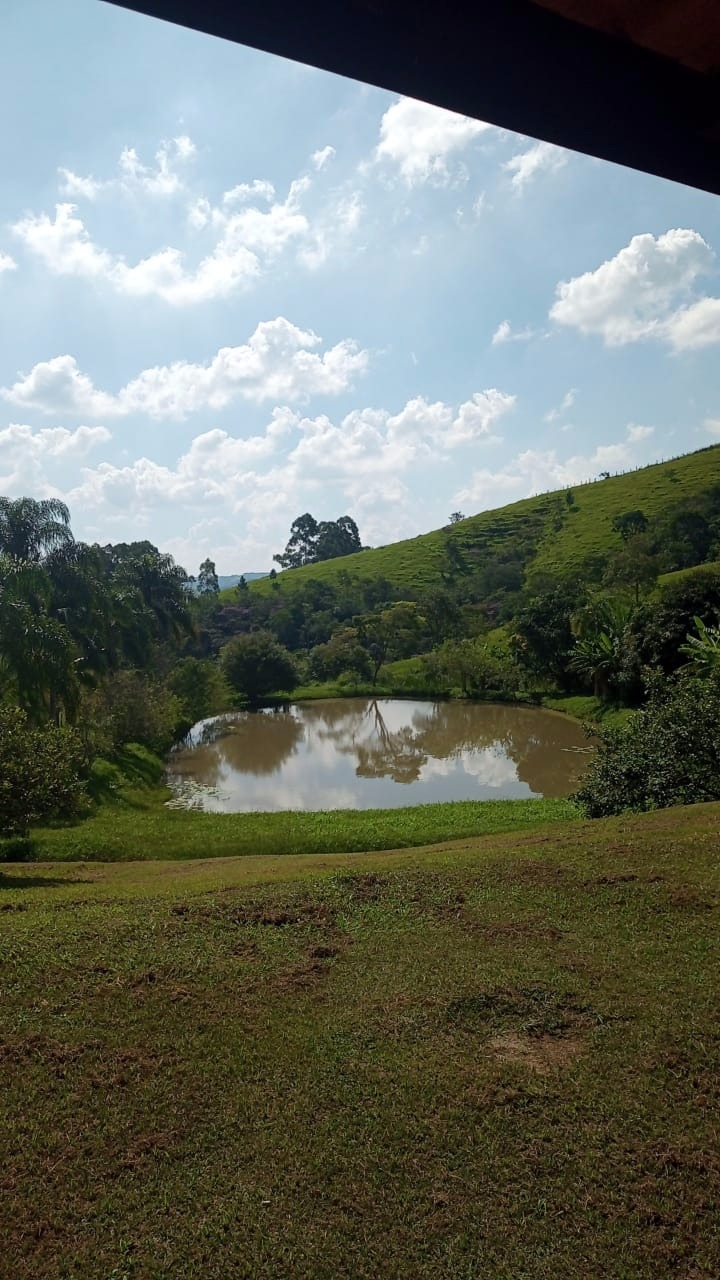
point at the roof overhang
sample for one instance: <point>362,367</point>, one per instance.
<point>647,95</point>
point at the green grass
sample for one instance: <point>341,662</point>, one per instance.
<point>403,678</point>
<point>586,529</point>
<point>148,830</point>
<point>669,579</point>
<point>492,1061</point>
<point>589,710</point>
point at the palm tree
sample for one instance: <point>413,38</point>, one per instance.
<point>597,657</point>
<point>703,650</point>
<point>29,528</point>
<point>38,657</point>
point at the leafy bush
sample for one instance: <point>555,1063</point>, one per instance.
<point>667,754</point>
<point>482,667</point>
<point>201,687</point>
<point>255,665</point>
<point>40,772</point>
<point>131,707</point>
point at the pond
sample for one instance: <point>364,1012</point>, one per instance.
<point>368,753</point>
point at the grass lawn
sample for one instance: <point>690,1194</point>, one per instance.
<point>144,828</point>
<point>493,1060</point>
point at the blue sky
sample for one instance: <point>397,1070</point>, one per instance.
<point>235,289</point>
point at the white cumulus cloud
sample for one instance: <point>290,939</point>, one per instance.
<point>566,404</point>
<point>25,453</point>
<point>419,140</point>
<point>636,432</point>
<point>642,293</point>
<point>7,263</point>
<point>162,179</point>
<point>279,361</point>
<point>537,470</point>
<point>57,386</point>
<point>322,156</point>
<point>540,157</point>
<point>361,459</point>
<point>506,333</point>
<point>247,241</point>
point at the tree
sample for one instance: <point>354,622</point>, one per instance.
<point>455,563</point>
<point>39,772</point>
<point>39,658</point>
<point>161,583</point>
<point>687,539</point>
<point>630,523</point>
<point>256,664</point>
<point>342,654</point>
<point>390,633</point>
<point>456,517</point>
<point>703,650</point>
<point>635,565</point>
<point>241,587</point>
<point>442,614</point>
<point>659,630</point>
<point>201,688</point>
<point>310,542</point>
<point>543,639</point>
<point>207,579</point>
<point>475,666</point>
<point>337,538</point>
<point>667,754</point>
<point>301,544</point>
<point>599,653</point>
<point>29,529</point>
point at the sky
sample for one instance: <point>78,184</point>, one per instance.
<point>234,289</point>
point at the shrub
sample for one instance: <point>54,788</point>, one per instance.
<point>131,707</point>
<point>39,772</point>
<point>201,687</point>
<point>667,754</point>
<point>256,664</point>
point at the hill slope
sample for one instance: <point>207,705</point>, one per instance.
<point>555,535</point>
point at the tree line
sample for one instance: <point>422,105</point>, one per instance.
<point>106,645</point>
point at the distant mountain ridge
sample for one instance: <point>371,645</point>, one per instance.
<point>228,580</point>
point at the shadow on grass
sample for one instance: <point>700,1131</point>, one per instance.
<point>35,882</point>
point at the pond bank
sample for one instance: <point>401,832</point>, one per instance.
<point>119,833</point>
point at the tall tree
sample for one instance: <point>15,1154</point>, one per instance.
<point>302,543</point>
<point>207,579</point>
<point>30,528</point>
<point>310,541</point>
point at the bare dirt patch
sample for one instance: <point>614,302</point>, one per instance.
<point>686,898</point>
<point>621,878</point>
<point>55,1054</point>
<point>365,886</point>
<point>543,1054</point>
<point>276,916</point>
<point>537,874</point>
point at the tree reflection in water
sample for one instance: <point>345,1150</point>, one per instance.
<point>481,732</point>
<point>365,752</point>
<point>248,742</point>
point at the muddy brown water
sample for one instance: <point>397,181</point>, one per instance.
<point>366,753</point>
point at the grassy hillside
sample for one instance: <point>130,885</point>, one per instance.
<point>492,1060</point>
<point>682,575</point>
<point>559,537</point>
